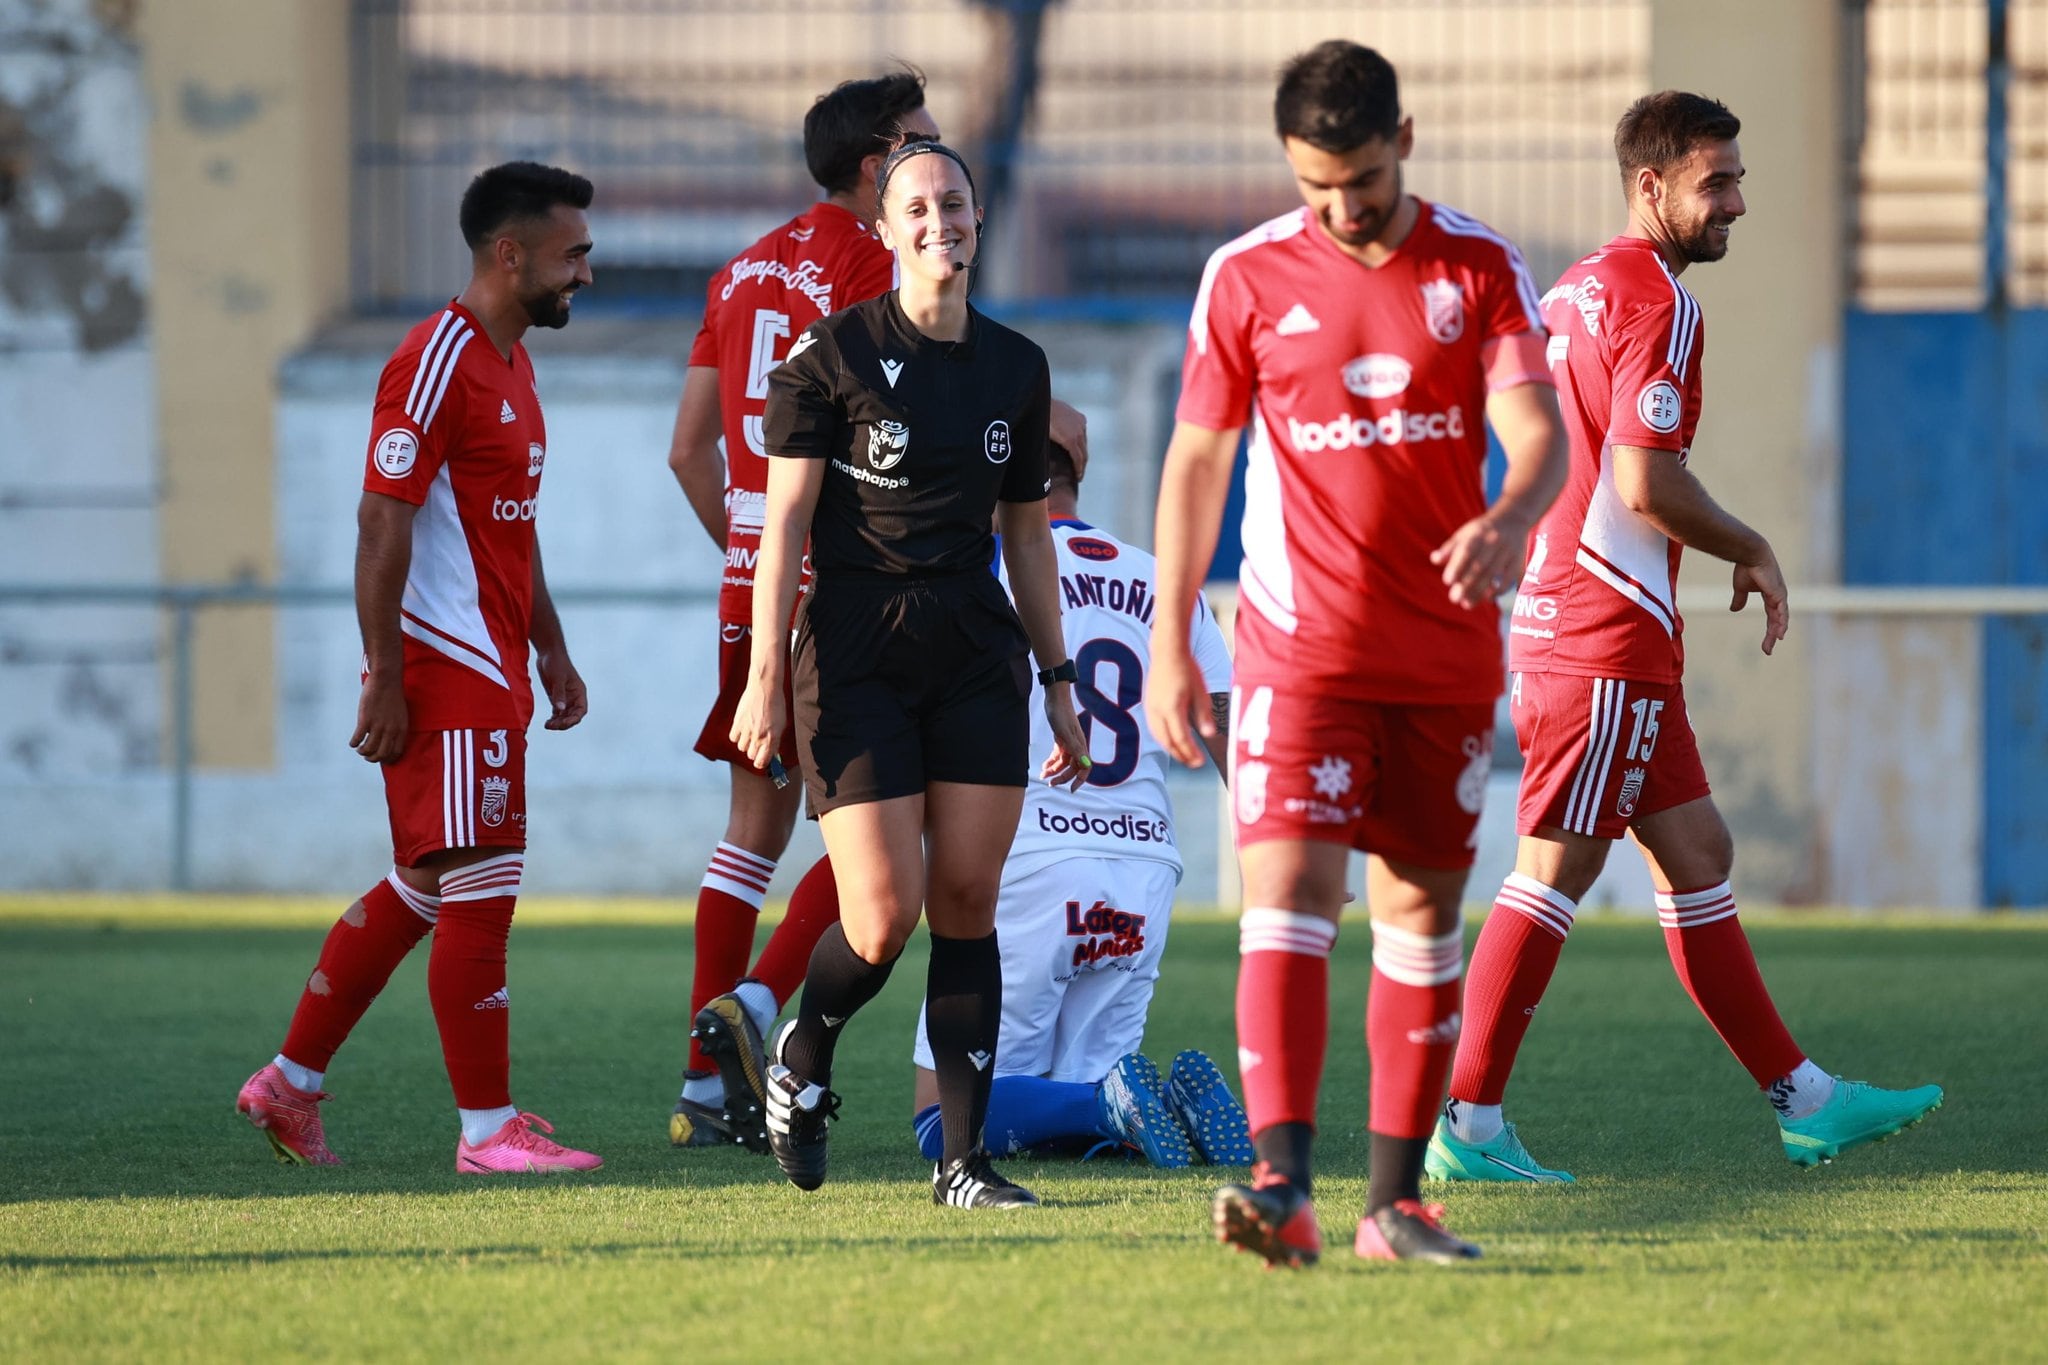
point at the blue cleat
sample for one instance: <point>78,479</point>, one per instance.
<point>1132,1110</point>
<point>1856,1114</point>
<point>1213,1118</point>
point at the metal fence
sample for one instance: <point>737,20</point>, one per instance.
<point>1146,142</point>
<point>1952,159</point>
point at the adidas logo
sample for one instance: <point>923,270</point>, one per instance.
<point>505,413</point>
<point>980,1060</point>
<point>1443,1031</point>
<point>831,1022</point>
<point>499,999</point>
<point>890,369</point>
<point>1295,321</point>
<point>1247,1059</point>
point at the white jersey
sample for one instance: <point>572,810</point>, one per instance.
<point>1121,811</point>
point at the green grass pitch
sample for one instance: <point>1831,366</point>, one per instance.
<point>141,1217</point>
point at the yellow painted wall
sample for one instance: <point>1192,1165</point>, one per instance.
<point>1768,445</point>
<point>248,225</point>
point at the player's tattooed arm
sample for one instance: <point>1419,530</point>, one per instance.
<point>383,558</point>
<point>693,455</point>
<point>1218,744</point>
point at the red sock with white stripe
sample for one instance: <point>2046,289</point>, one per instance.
<point>1718,970</point>
<point>728,905</point>
<point>466,980</point>
<point>1283,1016</point>
<point>813,908</point>
<point>1411,1027</point>
<point>362,950</point>
<point>1511,968</point>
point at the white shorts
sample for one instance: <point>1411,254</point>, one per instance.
<point>1081,942</point>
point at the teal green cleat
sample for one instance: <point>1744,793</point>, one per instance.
<point>1856,1114</point>
<point>1502,1158</point>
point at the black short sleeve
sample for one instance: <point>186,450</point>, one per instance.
<point>805,419</point>
<point>1028,477</point>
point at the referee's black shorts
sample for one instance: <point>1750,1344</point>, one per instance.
<point>904,682</point>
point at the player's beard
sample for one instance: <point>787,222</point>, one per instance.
<point>547,308</point>
<point>1697,241</point>
<point>1376,225</point>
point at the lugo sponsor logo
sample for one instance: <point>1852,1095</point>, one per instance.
<point>1399,427</point>
<point>1136,829</point>
<point>512,509</point>
<point>1087,547</point>
<point>1105,931</point>
<point>1378,376</point>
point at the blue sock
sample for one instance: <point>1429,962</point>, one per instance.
<point>1023,1111</point>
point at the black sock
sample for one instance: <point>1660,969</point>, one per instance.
<point>963,1011</point>
<point>1284,1148</point>
<point>1396,1170</point>
<point>838,982</point>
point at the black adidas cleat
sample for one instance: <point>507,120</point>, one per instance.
<point>972,1183</point>
<point>698,1125</point>
<point>1271,1218</point>
<point>1410,1230</point>
<point>726,1033</point>
<point>798,1111</point>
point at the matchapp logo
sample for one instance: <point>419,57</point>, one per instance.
<point>1103,932</point>
<point>1398,427</point>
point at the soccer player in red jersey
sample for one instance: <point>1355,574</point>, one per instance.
<point>449,596</point>
<point>823,260</point>
<point>1597,649</point>
<point>1367,339</point>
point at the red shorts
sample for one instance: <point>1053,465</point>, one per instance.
<point>735,654</point>
<point>1405,782</point>
<point>1599,754</point>
<point>456,789</point>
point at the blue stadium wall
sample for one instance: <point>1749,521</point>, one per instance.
<point>1946,484</point>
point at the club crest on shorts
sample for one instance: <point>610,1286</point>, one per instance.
<point>496,792</point>
<point>888,443</point>
<point>1443,309</point>
<point>1631,792</point>
<point>1472,781</point>
<point>1251,791</point>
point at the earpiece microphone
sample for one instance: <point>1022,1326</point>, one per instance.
<point>959,266</point>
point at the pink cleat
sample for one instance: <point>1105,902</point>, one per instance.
<point>288,1116</point>
<point>518,1147</point>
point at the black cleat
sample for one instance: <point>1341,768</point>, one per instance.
<point>1410,1230</point>
<point>798,1111</point>
<point>698,1125</point>
<point>726,1033</point>
<point>1271,1218</point>
<point>971,1183</point>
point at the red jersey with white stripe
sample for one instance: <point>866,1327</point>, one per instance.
<point>817,263</point>
<point>1599,598</point>
<point>458,433</point>
<point>1365,393</point>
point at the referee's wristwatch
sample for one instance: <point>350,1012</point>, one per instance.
<point>1063,671</point>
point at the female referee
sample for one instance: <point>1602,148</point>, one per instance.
<point>895,429</point>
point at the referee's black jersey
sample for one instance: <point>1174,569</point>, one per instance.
<point>922,437</point>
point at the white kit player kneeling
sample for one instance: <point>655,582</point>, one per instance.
<point>1086,897</point>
